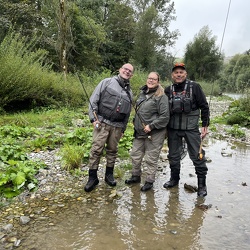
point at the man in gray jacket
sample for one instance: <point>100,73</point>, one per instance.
<point>109,111</point>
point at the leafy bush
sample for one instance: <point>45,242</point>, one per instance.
<point>241,117</point>
<point>244,104</point>
<point>16,175</point>
<point>236,131</point>
<point>238,112</point>
<point>26,78</point>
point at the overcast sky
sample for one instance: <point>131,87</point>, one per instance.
<point>192,15</point>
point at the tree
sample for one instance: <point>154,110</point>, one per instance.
<point>152,31</point>
<point>120,29</point>
<point>236,74</point>
<point>23,16</point>
<point>202,56</point>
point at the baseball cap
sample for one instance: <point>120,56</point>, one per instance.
<point>179,65</point>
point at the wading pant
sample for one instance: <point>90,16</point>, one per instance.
<point>193,140</point>
<point>106,137</point>
<point>149,149</point>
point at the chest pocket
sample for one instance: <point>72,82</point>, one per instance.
<point>114,106</point>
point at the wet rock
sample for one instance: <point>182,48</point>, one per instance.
<point>208,159</point>
<point>190,188</point>
<point>226,152</point>
<point>11,239</point>
<point>173,231</point>
<point>203,206</point>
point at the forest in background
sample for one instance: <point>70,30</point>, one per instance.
<point>43,43</point>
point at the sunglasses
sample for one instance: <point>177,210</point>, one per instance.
<point>179,65</point>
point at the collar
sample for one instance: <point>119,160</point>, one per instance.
<point>124,83</point>
<point>146,90</point>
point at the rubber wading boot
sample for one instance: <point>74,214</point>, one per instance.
<point>147,186</point>
<point>202,188</point>
<point>174,180</point>
<point>133,179</point>
<point>92,181</point>
<point>109,177</point>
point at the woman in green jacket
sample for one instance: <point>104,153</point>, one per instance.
<point>150,126</point>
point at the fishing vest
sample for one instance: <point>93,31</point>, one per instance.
<point>115,102</point>
<point>184,114</point>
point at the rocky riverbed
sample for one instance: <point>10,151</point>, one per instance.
<point>57,187</point>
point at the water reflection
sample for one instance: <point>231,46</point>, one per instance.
<point>158,220</point>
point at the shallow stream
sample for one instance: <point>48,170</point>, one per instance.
<point>126,218</point>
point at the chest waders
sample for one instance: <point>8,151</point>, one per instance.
<point>185,117</point>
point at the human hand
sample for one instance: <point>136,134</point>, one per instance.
<point>96,124</point>
<point>147,129</point>
<point>204,132</point>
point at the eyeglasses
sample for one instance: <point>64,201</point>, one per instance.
<point>129,70</point>
<point>152,79</point>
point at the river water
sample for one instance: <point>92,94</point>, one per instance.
<point>125,218</point>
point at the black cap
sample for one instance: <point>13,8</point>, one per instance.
<point>179,65</point>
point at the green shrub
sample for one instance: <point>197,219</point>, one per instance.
<point>244,104</point>
<point>25,78</point>
<point>236,131</point>
<point>15,176</point>
<point>241,117</point>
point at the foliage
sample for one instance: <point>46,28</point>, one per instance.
<point>121,169</point>
<point>72,156</point>
<point>238,113</point>
<point>242,118</point>
<point>88,35</point>
<point>126,142</point>
<point>45,129</point>
<point>120,29</point>
<point>210,88</point>
<point>24,16</point>
<point>244,103</point>
<point>26,81</point>
<point>236,131</point>
<point>202,56</point>
<point>16,175</point>
<point>236,74</point>
<point>152,32</point>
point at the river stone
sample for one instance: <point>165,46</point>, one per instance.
<point>24,220</point>
<point>8,228</point>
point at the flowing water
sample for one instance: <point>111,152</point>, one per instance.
<point>158,219</point>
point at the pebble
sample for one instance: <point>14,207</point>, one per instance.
<point>24,220</point>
